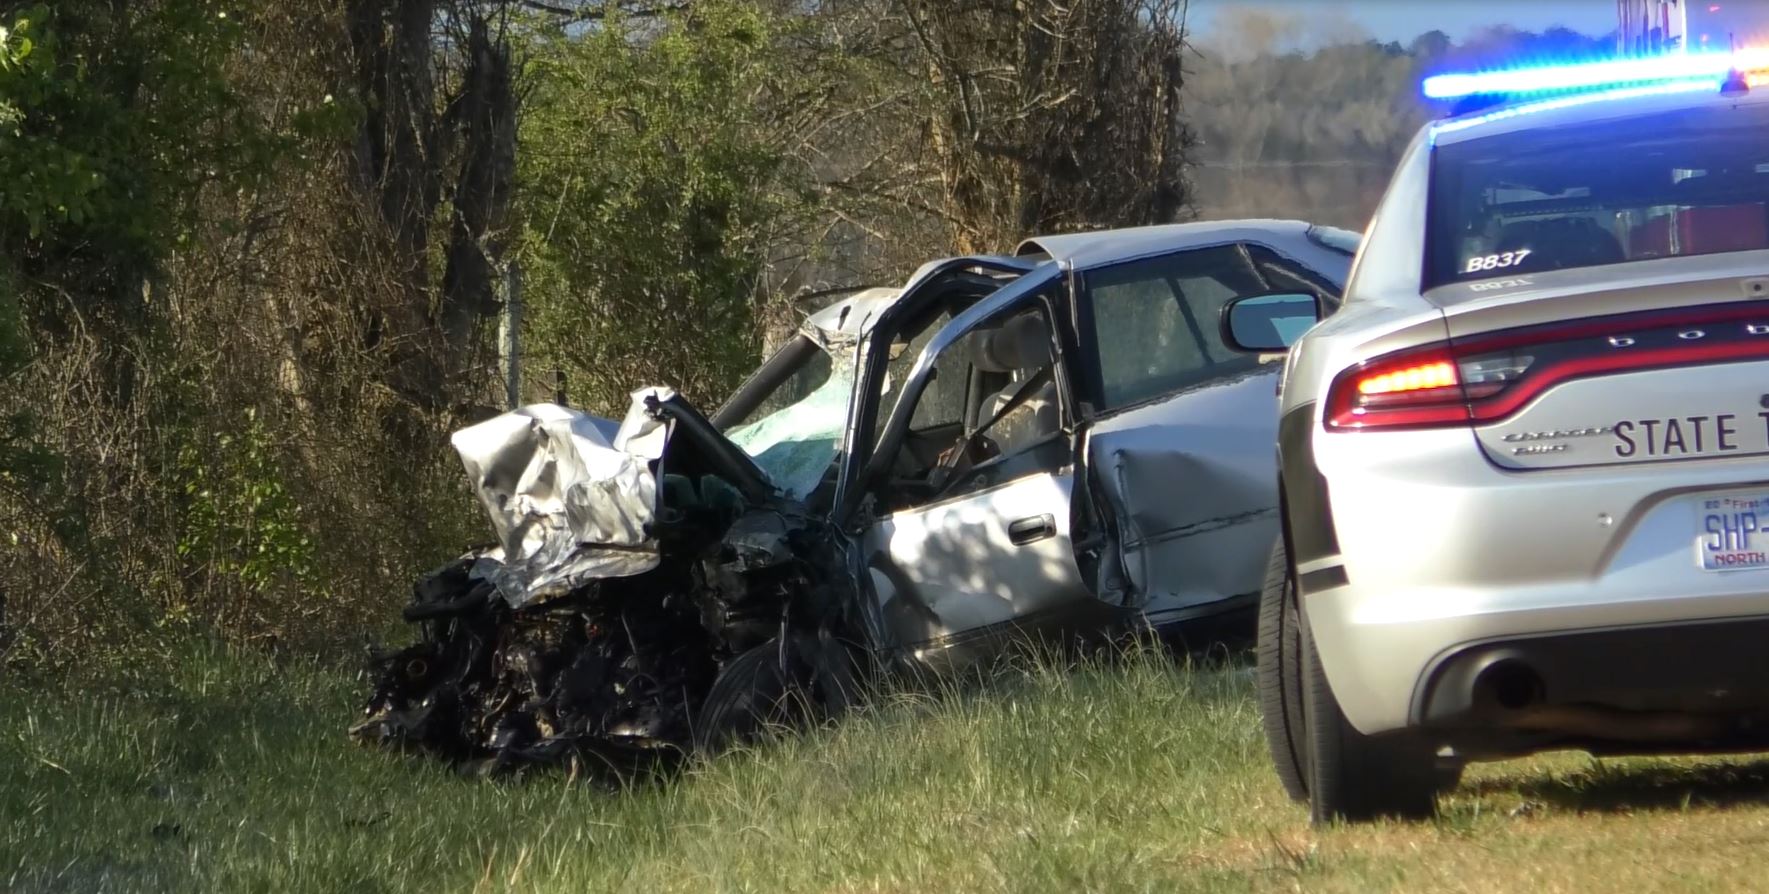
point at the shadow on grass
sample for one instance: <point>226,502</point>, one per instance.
<point>1614,788</point>
<point>1030,665</point>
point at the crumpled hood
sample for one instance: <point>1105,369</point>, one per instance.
<point>568,505</point>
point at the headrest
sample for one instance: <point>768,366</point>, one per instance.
<point>1022,342</point>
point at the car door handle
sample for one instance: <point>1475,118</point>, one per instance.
<point>1032,530</point>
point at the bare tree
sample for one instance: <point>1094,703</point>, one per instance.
<point>1050,115</point>
<point>417,153</point>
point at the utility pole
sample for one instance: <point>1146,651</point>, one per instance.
<point>510,336</point>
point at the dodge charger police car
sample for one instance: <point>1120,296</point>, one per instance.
<point>1524,469</point>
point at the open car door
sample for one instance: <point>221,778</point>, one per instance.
<point>971,480</point>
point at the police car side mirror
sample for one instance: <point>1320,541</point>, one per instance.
<point>1268,324</point>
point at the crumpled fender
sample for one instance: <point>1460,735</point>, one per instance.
<point>1192,485</point>
<point>568,504</point>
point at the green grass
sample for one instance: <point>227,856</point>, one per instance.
<point>235,775</point>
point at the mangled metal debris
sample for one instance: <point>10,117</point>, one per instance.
<point>568,506</point>
<point>600,622</point>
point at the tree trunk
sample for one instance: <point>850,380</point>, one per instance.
<point>396,163</point>
<point>483,188</point>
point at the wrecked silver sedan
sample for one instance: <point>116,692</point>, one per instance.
<point>1054,444</point>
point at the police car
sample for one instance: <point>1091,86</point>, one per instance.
<point>1524,468</point>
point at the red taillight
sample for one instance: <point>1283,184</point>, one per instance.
<point>1407,380</point>
<point>1413,388</point>
<point>1488,377</point>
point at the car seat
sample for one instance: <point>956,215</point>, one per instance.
<point>1019,347</point>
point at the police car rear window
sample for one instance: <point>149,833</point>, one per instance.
<point>1691,182</point>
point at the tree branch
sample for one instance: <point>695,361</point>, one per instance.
<point>598,12</point>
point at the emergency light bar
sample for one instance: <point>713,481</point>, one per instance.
<point>1568,101</point>
<point>1701,68</point>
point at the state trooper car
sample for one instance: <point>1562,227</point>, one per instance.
<point>1524,468</point>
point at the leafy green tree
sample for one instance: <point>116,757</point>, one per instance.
<point>113,118</point>
<point>654,172</point>
<point>119,124</point>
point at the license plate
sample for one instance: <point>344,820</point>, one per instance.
<point>1730,532</point>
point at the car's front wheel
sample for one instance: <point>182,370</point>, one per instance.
<point>754,690</point>
<point>1356,777</point>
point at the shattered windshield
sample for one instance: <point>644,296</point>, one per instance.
<point>794,434</point>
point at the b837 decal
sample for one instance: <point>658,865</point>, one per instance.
<point>1500,261</point>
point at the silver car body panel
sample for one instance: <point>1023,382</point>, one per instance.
<point>851,317</point>
<point>941,571</point>
<point>944,569</point>
<point>1441,549</point>
<point>568,504</point>
<point>1188,475</point>
<point>1190,481</point>
<point>1442,538</point>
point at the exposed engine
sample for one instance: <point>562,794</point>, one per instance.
<point>620,667</point>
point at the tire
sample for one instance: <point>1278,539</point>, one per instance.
<point>1448,776</point>
<point>1354,777</point>
<point>1278,666</point>
<point>752,692</point>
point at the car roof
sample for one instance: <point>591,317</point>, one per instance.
<point>1571,111</point>
<point>1101,247</point>
<point>854,314</point>
<point>850,315</point>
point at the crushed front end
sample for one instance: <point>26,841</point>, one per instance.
<point>629,573</point>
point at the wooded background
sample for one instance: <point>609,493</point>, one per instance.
<point>253,255</point>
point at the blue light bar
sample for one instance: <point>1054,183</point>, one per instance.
<point>1568,102</point>
<point>1691,67</point>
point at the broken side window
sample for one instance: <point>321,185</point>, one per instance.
<point>1154,323</point>
<point>939,417</point>
<point>944,401</point>
<point>1012,422</point>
